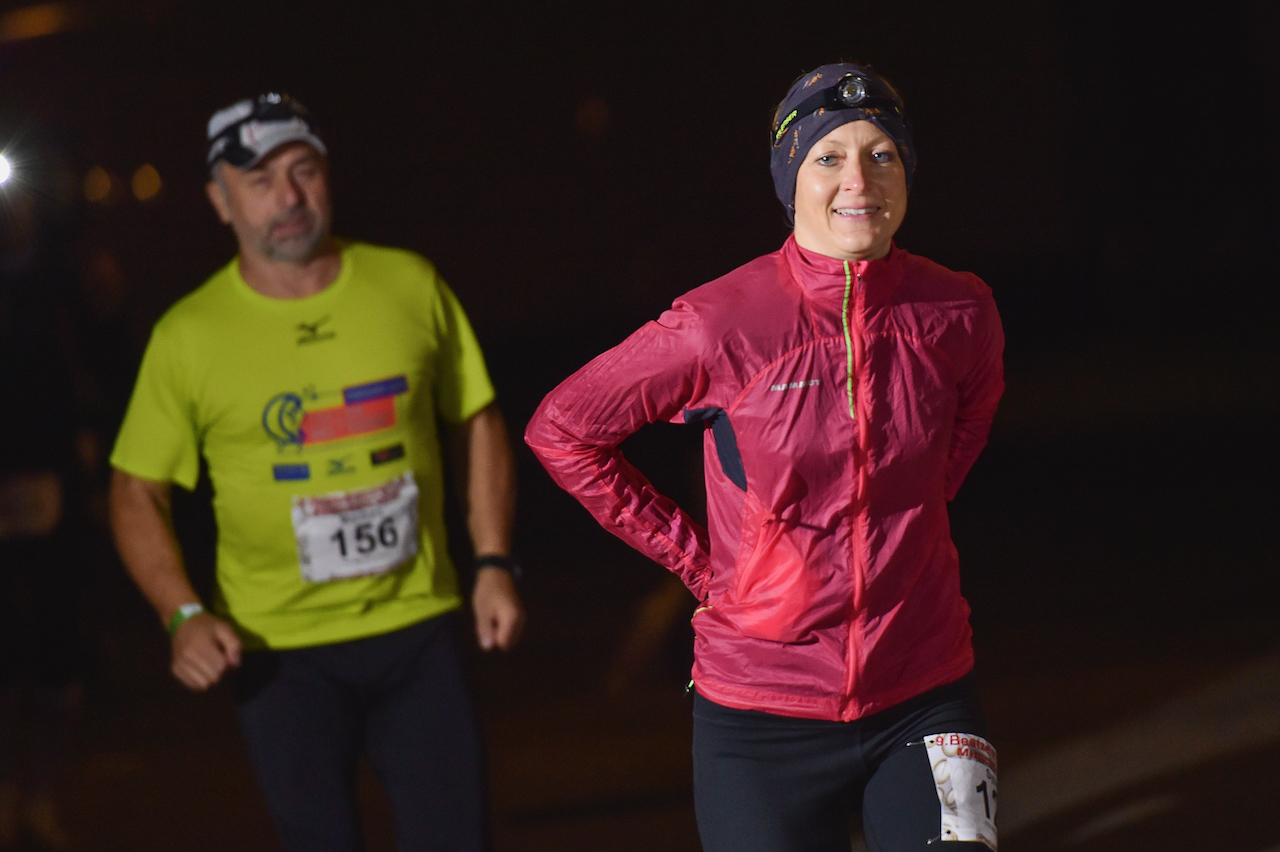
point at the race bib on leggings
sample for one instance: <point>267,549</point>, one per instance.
<point>964,770</point>
<point>357,533</point>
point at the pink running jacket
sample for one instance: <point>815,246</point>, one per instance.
<point>845,402</point>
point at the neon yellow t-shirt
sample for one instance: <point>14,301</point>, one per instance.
<point>336,394</point>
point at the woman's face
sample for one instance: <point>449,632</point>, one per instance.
<point>851,193</point>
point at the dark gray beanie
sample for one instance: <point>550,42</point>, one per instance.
<point>821,101</point>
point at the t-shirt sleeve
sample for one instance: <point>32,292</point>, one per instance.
<point>463,387</point>
<point>158,439</point>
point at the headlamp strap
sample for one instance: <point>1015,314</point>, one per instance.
<point>849,92</point>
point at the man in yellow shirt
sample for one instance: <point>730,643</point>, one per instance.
<point>310,374</point>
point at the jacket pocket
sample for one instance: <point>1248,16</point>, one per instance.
<point>773,592</point>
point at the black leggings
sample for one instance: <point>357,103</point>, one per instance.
<point>400,698</point>
<point>767,783</point>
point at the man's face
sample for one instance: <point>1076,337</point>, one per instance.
<point>279,209</point>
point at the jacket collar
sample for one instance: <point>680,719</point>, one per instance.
<point>823,277</point>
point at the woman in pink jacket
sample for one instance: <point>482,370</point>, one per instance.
<point>846,387</point>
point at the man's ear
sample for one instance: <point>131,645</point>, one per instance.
<point>218,198</point>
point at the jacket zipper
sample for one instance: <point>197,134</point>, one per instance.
<point>848,339</point>
<point>852,357</point>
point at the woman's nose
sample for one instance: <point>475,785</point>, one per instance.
<point>853,177</point>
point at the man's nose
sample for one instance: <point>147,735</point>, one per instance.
<point>289,192</point>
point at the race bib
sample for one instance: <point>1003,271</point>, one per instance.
<point>964,769</point>
<point>357,533</point>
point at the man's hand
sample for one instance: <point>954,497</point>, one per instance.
<point>204,648</point>
<point>499,613</point>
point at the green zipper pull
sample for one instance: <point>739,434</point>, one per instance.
<point>848,338</point>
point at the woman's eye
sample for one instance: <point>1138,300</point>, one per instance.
<point>826,160</point>
<point>883,156</point>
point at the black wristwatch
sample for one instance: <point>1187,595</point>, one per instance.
<point>506,563</point>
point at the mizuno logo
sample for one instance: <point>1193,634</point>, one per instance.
<point>340,466</point>
<point>309,332</point>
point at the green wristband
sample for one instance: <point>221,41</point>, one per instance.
<point>184,612</point>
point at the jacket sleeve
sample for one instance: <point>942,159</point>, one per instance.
<point>652,375</point>
<point>981,387</point>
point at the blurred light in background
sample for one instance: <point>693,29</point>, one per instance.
<point>146,182</point>
<point>5,168</point>
<point>97,185</point>
<point>41,19</point>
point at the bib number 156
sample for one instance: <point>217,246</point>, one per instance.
<point>357,533</point>
<point>366,538</point>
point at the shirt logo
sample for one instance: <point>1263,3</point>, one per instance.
<point>786,386</point>
<point>366,408</point>
<point>282,418</point>
<point>386,454</point>
<point>309,332</point>
<point>340,466</point>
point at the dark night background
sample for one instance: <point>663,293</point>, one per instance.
<point>1107,168</point>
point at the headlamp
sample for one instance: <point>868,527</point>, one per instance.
<point>6,169</point>
<point>849,92</point>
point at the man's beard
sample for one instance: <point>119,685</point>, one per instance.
<point>299,247</point>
